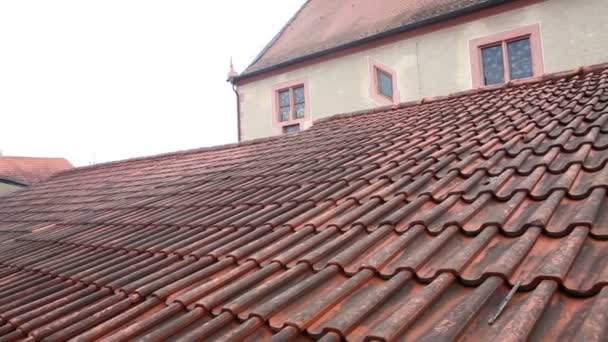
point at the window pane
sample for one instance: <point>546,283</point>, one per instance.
<point>299,94</point>
<point>284,113</point>
<point>520,58</point>
<point>493,65</point>
<point>299,110</point>
<point>385,84</point>
<point>291,128</point>
<point>284,98</point>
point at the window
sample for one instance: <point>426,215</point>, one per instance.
<point>290,103</point>
<point>506,56</point>
<point>299,102</point>
<point>493,65</point>
<point>284,105</point>
<point>291,128</point>
<point>383,83</point>
<point>520,58</point>
<point>518,61</point>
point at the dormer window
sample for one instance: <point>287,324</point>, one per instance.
<point>291,105</point>
<point>506,56</point>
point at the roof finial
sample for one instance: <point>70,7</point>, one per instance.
<point>232,73</point>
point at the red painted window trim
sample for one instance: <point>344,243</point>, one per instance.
<point>530,31</point>
<point>303,82</point>
<point>374,92</point>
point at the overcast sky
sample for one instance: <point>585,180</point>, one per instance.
<point>95,81</point>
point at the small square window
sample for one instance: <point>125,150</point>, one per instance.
<point>291,128</point>
<point>385,83</point>
<point>383,87</point>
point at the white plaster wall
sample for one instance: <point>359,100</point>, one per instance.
<point>6,188</point>
<point>573,33</point>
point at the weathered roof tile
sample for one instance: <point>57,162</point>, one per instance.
<point>414,222</point>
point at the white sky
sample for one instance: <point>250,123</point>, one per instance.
<point>102,80</point>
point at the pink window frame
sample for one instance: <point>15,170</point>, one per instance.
<point>303,82</point>
<point>475,46</point>
<point>374,93</point>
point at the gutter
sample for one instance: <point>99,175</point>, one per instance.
<point>238,110</point>
<point>385,34</point>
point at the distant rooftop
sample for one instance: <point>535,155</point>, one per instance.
<point>27,170</point>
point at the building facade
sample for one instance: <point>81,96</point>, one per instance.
<point>462,48</point>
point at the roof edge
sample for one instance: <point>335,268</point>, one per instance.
<point>401,29</point>
<point>13,181</point>
<point>581,70</point>
<point>276,37</point>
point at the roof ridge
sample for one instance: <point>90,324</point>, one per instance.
<point>177,153</point>
<point>546,77</point>
<point>581,70</point>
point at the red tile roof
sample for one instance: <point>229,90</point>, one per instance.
<point>337,23</point>
<point>28,170</point>
<point>413,222</point>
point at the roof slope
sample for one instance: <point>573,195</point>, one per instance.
<point>28,170</point>
<point>413,222</point>
<point>339,22</point>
